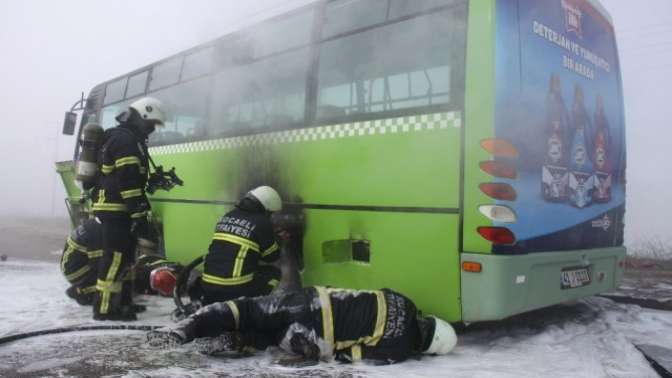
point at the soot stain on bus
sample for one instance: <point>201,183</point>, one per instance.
<point>259,165</point>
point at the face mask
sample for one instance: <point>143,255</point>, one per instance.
<point>426,327</point>
<point>149,128</point>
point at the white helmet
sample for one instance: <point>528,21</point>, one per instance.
<point>268,197</point>
<point>150,109</point>
<point>444,338</point>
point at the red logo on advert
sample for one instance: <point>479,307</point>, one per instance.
<point>572,16</point>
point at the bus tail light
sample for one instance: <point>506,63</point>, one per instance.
<point>499,191</point>
<point>497,235</point>
<point>473,267</point>
<point>499,169</point>
<point>499,147</point>
<point>498,213</point>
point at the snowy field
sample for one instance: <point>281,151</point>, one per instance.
<point>589,338</point>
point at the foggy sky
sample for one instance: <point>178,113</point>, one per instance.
<point>50,52</point>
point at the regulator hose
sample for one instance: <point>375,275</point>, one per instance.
<point>122,327</point>
<point>181,284</point>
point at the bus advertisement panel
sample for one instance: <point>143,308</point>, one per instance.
<point>559,101</point>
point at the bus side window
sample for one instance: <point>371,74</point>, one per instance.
<point>265,94</point>
<point>346,15</point>
<point>198,64</point>
<point>136,84</point>
<point>114,91</point>
<point>408,64</point>
<point>401,8</point>
<point>281,35</point>
<point>166,73</point>
<point>187,111</point>
<point>110,112</point>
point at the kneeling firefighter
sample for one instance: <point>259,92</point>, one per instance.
<point>151,273</point>
<point>79,261</point>
<point>316,323</point>
<point>243,237</point>
<point>156,275</point>
<point>120,203</point>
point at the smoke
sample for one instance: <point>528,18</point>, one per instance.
<point>51,52</point>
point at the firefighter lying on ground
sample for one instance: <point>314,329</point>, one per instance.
<point>243,237</point>
<point>151,274</point>
<point>315,323</point>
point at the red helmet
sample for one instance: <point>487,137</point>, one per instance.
<point>163,281</point>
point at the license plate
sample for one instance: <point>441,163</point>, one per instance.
<point>575,277</point>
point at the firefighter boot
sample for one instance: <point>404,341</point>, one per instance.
<point>83,299</point>
<point>127,303</point>
<point>105,308</point>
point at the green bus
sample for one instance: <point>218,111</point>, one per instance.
<point>469,154</point>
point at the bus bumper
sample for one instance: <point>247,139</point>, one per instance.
<point>509,285</point>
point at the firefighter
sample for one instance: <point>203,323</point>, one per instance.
<point>79,262</point>
<point>316,323</point>
<point>243,237</point>
<point>120,203</point>
<point>152,274</point>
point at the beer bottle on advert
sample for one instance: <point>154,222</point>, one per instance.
<point>581,180</point>
<point>554,173</point>
<point>601,156</point>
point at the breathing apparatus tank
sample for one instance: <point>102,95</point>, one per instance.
<point>87,164</point>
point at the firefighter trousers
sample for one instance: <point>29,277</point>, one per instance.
<point>114,287</point>
<point>80,268</point>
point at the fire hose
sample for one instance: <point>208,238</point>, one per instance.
<point>181,285</point>
<point>52,331</point>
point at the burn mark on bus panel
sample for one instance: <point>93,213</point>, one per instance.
<point>263,165</point>
<point>260,165</point>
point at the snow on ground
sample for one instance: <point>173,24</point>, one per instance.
<point>589,338</point>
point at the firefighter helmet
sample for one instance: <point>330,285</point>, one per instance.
<point>163,281</point>
<point>150,109</point>
<point>444,338</point>
<point>268,197</point>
